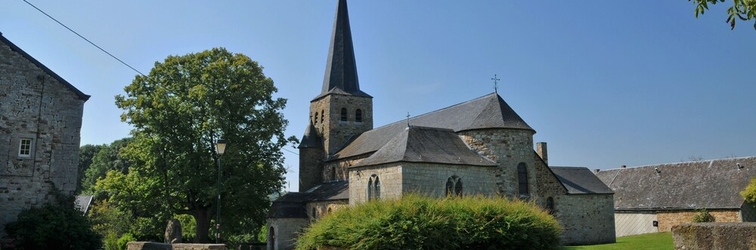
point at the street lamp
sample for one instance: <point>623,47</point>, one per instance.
<point>220,147</point>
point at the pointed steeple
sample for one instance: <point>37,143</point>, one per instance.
<point>341,68</point>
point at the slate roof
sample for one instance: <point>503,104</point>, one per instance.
<point>580,180</point>
<point>292,204</point>
<point>310,138</point>
<point>486,112</point>
<point>341,67</point>
<point>44,68</point>
<point>427,145</point>
<point>711,184</point>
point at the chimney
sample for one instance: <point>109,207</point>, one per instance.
<point>542,151</point>
<point>597,170</point>
<point>623,167</point>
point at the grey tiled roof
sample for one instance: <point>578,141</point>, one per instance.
<point>580,180</point>
<point>428,145</point>
<point>310,138</point>
<point>486,112</point>
<point>44,68</point>
<point>292,204</point>
<point>685,185</point>
<point>341,67</point>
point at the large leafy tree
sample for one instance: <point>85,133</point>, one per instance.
<point>178,112</point>
<point>105,159</point>
<point>86,154</point>
<point>743,10</point>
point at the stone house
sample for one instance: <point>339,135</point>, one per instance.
<point>654,198</point>
<point>40,123</point>
<point>478,147</point>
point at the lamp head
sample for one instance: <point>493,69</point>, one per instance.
<point>220,146</point>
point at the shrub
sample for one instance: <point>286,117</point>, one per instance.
<point>55,225</point>
<point>703,216</point>
<point>124,240</point>
<point>416,222</point>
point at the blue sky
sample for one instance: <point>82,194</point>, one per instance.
<point>605,83</point>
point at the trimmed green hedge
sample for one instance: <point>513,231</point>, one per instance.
<point>416,222</point>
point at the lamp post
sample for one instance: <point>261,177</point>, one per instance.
<point>220,147</point>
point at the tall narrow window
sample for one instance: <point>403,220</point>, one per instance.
<point>550,205</point>
<point>322,115</point>
<point>24,147</point>
<point>314,213</point>
<point>333,173</point>
<point>315,121</point>
<point>343,114</point>
<point>522,178</point>
<point>358,115</point>
<point>374,188</point>
<point>454,186</point>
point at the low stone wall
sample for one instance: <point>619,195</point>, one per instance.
<point>143,245</point>
<point>715,236</point>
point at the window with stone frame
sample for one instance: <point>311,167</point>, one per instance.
<point>358,115</point>
<point>343,114</point>
<point>25,147</point>
<point>333,173</point>
<point>374,188</point>
<point>454,186</point>
<point>550,205</point>
<point>522,179</point>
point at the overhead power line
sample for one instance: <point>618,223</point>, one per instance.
<point>85,39</point>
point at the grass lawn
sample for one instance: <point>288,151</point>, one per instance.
<point>654,241</point>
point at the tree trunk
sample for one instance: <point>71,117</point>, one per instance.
<point>202,218</point>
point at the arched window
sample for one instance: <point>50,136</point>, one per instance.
<point>272,238</point>
<point>550,205</point>
<point>454,186</point>
<point>314,213</point>
<point>374,188</point>
<point>333,173</point>
<point>343,114</point>
<point>315,121</point>
<point>358,115</point>
<point>329,210</point>
<point>522,178</point>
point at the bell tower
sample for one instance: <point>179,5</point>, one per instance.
<point>341,110</point>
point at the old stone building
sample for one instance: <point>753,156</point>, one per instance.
<point>654,198</point>
<point>478,147</point>
<point>40,123</point>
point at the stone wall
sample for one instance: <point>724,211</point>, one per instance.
<point>325,115</point>
<point>283,232</point>
<point>548,184</point>
<point>506,147</point>
<point>585,219</point>
<point>390,177</point>
<point>316,210</point>
<point>35,105</point>
<point>430,179</point>
<point>668,219</point>
<point>714,236</point>
<point>143,245</point>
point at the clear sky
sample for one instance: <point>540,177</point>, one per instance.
<point>605,83</point>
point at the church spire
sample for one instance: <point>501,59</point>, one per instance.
<point>341,68</point>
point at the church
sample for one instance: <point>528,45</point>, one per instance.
<point>478,147</point>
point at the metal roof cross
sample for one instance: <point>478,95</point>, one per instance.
<point>496,83</point>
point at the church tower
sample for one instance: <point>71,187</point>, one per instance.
<point>340,111</point>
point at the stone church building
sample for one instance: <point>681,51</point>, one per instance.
<point>478,147</point>
<point>40,125</point>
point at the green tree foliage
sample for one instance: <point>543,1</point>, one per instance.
<point>178,111</point>
<point>744,10</point>
<point>105,159</point>
<point>416,222</point>
<point>55,225</point>
<point>86,154</point>
<point>703,215</point>
<point>749,193</point>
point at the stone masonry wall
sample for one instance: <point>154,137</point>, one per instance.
<point>715,236</point>
<point>548,184</point>
<point>325,115</point>
<point>506,147</point>
<point>310,168</point>
<point>324,208</point>
<point>668,219</point>
<point>390,178</point>
<point>339,170</point>
<point>585,219</point>
<point>34,105</point>
<point>430,179</point>
<point>283,232</point>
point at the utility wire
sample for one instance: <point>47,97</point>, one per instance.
<point>85,39</point>
<point>289,151</point>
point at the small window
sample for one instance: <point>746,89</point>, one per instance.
<point>24,147</point>
<point>316,118</point>
<point>333,173</point>
<point>322,115</point>
<point>550,205</point>
<point>343,114</point>
<point>358,115</point>
<point>522,178</point>
<point>374,188</point>
<point>454,186</point>
<point>314,213</point>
